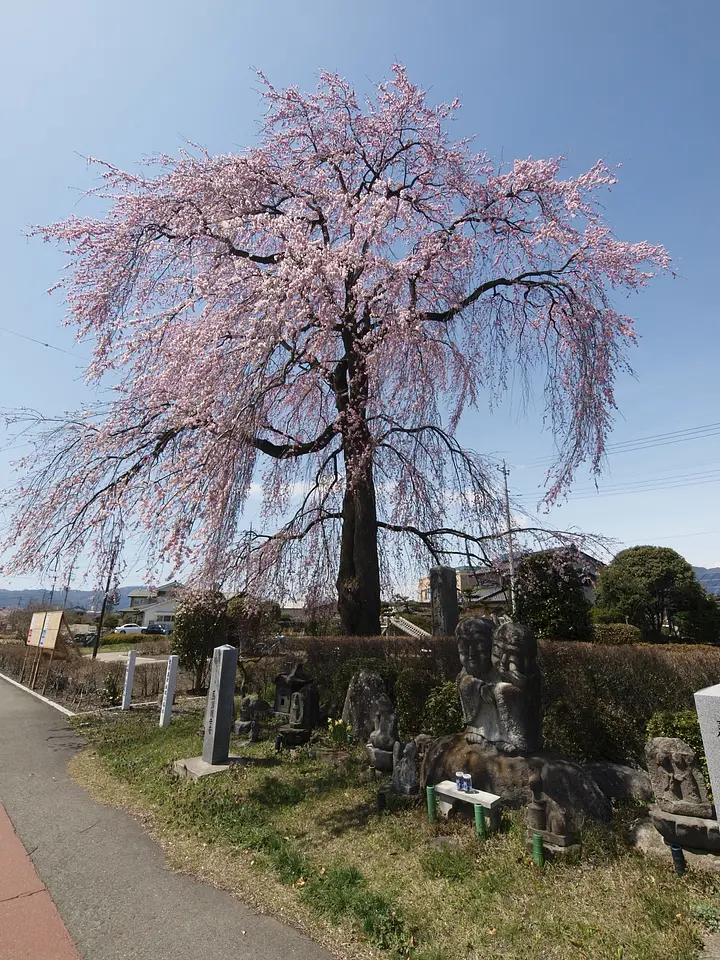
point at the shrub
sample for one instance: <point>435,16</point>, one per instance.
<point>200,626</point>
<point>684,725</point>
<point>443,714</point>
<point>616,633</point>
<point>413,686</point>
<point>550,594</point>
<point>598,699</point>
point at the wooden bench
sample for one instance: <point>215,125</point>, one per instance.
<point>447,795</point>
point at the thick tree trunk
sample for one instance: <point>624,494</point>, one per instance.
<point>358,581</point>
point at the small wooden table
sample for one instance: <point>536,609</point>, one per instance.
<point>448,794</point>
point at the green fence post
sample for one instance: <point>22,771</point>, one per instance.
<point>480,827</point>
<point>538,850</point>
<point>431,804</point>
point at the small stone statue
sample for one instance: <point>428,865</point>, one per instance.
<point>676,778</point>
<point>304,707</point>
<point>406,768</point>
<point>384,734</point>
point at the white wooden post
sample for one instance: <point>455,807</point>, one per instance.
<point>169,693</point>
<point>129,678</point>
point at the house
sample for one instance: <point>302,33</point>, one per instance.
<point>149,605</point>
<point>486,585</point>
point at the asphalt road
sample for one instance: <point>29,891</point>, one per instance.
<point>107,877</point>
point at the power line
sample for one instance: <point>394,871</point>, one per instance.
<point>42,343</point>
<point>649,442</point>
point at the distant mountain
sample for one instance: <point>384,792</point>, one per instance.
<point>709,577</point>
<point>75,598</point>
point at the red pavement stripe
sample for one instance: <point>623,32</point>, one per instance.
<point>30,926</point>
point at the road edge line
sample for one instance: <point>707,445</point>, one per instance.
<point>39,696</point>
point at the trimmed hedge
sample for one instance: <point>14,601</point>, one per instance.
<point>616,633</point>
<point>597,700</point>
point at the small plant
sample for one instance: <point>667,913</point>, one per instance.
<point>111,693</point>
<point>707,916</point>
<point>339,731</point>
<point>443,714</point>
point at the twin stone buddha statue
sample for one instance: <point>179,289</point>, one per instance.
<point>500,688</point>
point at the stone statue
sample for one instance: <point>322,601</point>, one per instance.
<point>304,707</point>
<point>474,639</point>
<point>406,768</point>
<point>677,779</point>
<point>517,692</point>
<point>500,685</point>
<point>385,733</point>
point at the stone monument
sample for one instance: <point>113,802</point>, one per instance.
<point>443,601</point>
<point>383,736</point>
<point>219,714</point>
<point>500,694</point>
<point>707,704</point>
<point>218,719</point>
<point>304,715</point>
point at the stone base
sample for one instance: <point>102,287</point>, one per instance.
<point>382,760</point>
<point>693,833</point>
<point>194,768</point>
<point>645,838</point>
<point>554,846</point>
<point>293,736</point>
<point>569,788</point>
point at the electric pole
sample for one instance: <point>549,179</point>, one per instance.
<point>108,582</point>
<point>511,556</point>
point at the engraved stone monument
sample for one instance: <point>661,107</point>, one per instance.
<point>707,704</point>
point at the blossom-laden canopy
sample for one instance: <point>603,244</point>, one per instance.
<point>318,311</point>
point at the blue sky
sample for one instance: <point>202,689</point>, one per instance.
<point>635,83</point>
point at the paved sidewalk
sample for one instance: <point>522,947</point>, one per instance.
<point>106,876</point>
<point>30,926</point>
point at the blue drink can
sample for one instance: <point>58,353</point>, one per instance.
<point>467,783</point>
<point>459,780</point>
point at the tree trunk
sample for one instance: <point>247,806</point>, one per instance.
<point>358,581</point>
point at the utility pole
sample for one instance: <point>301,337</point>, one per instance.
<point>511,555</point>
<point>108,582</point>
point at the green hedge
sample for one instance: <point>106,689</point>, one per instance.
<point>597,700</point>
<point>616,633</point>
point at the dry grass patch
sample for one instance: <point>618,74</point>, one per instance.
<point>302,840</point>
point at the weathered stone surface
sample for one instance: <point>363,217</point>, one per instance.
<point>288,683</point>
<point>305,707</point>
<point>645,837</point>
<point>475,638</point>
<point>247,728</point>
<point>293,736</point>
<point>366,697</point>
<point>619,782</point>
<point>499,686</point>
<point>253,706</point>
<point>697,833</point>
<point>443,601</point>
<point>707,704</point>
<point>406,769</point>
<point>676,777</point>
<point>382,760</point>
<point>570,791</point>
<point>385,730</point>
<point>220,705</point>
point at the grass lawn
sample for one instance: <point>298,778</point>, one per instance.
<point>302,840</point>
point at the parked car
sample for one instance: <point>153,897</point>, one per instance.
<point>129,628</point>
<point>154,628</point>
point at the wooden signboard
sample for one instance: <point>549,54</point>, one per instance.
<point>48,631</point>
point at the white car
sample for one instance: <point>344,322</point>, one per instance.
<point>128,628</point>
